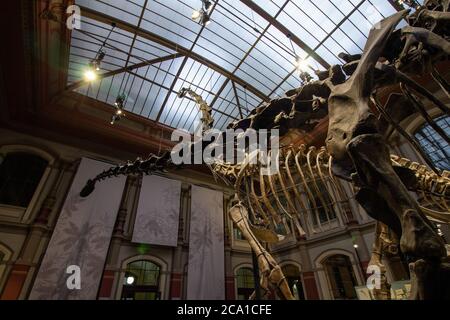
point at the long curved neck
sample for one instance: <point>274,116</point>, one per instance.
<point>147,166</point>
<point>206,119</point>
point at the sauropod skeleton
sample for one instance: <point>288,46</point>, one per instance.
<point>356,151</point>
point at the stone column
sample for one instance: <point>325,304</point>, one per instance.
<point>361,252</point>
<point>176,276</point>
<point>111,272</point>
<point>15,283</point>
<point>42,218</point>
<point>309,279</point>
<point>228,233</point>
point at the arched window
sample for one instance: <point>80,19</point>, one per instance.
<point>245,283</point>
<point>326,213</point>
<point>293,277</point>
<point>237,234</point>
<point>141,281</point>
<point>5,256</point>
<point>2,260</point>
<point>20,174</point>
<point>342,278</point>
<point>437,149</point>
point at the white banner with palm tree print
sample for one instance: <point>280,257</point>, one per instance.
<point>206,271</point>
<point>73,263</point>
<point>158,212</point>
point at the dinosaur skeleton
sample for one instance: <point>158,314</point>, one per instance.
<point>207,119</point>
<point>307,190</point>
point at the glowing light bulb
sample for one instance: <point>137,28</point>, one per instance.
<point>119,111</point>
<point>195,14</point>
<point>301,64</point>
<point>355,246</point>
<point>90,75</point>
<point>130,280</point>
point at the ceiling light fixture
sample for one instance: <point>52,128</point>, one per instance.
<point>302,65</point>
<point>196,14</point>
<point>120,105</point>
<point>114,118</point>
<point>207,4</point>
<point>409,3</point>
<point>94,65</point>
<point>206,20</point>
<point>90,75</point>
<point>202,16</point>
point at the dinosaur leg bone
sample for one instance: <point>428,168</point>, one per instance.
<point>383,292</point>
<point>271,273</point>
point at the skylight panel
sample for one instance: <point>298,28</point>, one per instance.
<point>124,11</point>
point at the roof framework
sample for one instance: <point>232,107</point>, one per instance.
<point>244,57</point>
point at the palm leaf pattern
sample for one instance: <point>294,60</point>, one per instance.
<point>157,222</point>
<point>206,240</point>
<point>81,237</point>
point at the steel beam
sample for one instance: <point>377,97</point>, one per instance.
<point>237,100</point>
<point>104,18</point>
<point>277,24</point>
<point>80,83</point>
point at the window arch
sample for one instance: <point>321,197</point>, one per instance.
<point>341,276</point>
<point>245,283</point>
<point>326,212</point>
<point>20,175</point>
<point>141,281</point>
<point>294,279</point>
<point>237,234</point>
<point>5,256</point>
<point>437,149</point>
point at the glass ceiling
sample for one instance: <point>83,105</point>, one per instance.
<point>240,59</point>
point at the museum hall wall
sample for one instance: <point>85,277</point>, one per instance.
<point>25,232</point>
